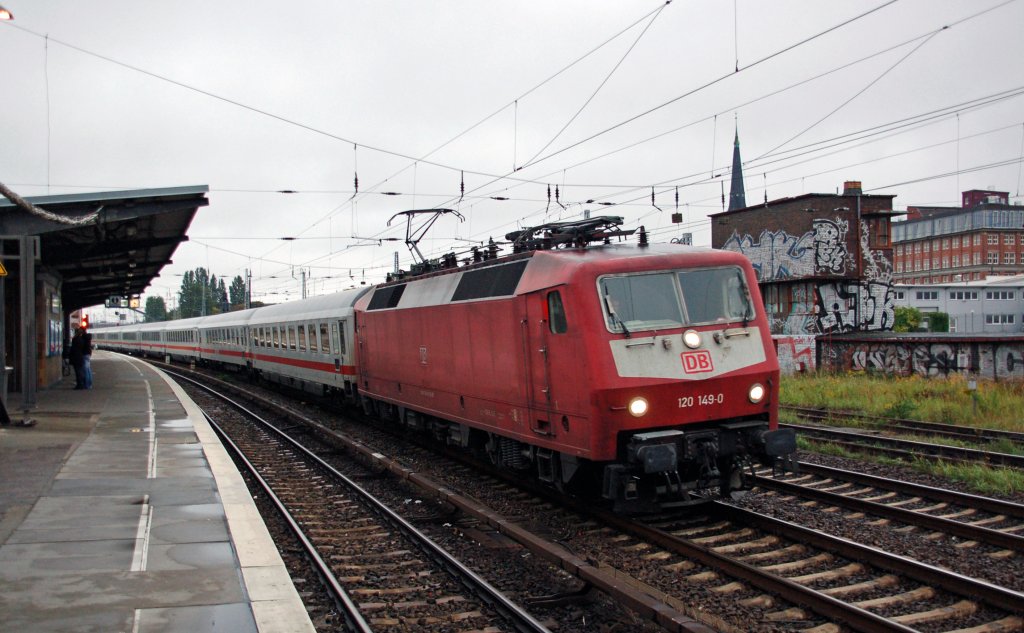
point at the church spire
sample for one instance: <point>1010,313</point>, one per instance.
<point>737,197</point>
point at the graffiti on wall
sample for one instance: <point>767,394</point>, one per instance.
<point>928,359</point>
<point>830,255</point>
<point>796,353</point>
<point>848,307</point>
<point>776,255</point>
<point>819,306</point>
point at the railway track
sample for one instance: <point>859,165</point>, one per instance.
<point>971,518</point>
<point>966,434</point>
<point>730,567</point>
<point>875,443</point>
<point>384,573</point>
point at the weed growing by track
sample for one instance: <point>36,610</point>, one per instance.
<point>995,405</point>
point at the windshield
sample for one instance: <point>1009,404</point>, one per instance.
<point>654,301</point>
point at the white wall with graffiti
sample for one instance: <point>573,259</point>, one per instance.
<point>997,359</point>
<point>798,278</point>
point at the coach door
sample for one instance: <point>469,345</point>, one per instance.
<point>537,364</point>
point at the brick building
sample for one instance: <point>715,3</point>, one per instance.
<point>984,236</point>
<point>824,261</point>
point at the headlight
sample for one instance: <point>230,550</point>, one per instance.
<point>691,338</point>
<point>638,407</point>
<point>756,393</point>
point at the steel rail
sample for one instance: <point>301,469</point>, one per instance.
<point>517,617</point>
<point>921,449</point>
<point>987,504</point>
<point>954,583</point>
<point>911,517</point>
<point>825,606</point>
<point>970,433</point>
<point>353,618</point>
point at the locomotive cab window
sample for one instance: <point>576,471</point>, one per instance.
<point>663,300</point>
<point>556,313</point>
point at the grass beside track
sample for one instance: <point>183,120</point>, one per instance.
<point>994,405</point>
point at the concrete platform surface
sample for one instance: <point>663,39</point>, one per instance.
<point>120,511</point>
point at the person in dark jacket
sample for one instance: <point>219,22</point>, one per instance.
<point>87,358</point>
<point>77,357</point>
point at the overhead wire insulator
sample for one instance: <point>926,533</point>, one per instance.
<point>652,200</point>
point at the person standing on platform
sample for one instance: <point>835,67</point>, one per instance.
<point>77,357</point>
<point>87,358</point>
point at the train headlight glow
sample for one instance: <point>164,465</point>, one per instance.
<point>756,393</point>
<point>691,338</point>
<point>638,407</point>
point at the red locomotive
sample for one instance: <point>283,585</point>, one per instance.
<point>647,371</point>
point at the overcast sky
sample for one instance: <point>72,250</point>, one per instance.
<point>253,97</point>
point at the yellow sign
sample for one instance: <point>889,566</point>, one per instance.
<point>3,271</point>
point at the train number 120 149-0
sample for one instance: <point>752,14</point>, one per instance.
<point>701,400</point>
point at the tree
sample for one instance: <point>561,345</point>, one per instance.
<point>156,309</point>
<point>938,322</point>
<point>236,292</point>
<point>906,319</point>
<point>195,297</point>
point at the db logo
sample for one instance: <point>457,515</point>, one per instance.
<point>697,362</point>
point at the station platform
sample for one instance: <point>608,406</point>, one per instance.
<point>120,511</point>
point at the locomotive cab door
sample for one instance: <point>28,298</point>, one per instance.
<point>537,363</point>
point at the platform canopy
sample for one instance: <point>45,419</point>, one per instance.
<point>120,252</point>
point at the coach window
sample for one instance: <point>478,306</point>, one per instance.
<point>311,331</point>
<point>556,313</point>
<point>277,336</point>
<point>325,339</point>
<point>302,338</point>
<point>292,338</point>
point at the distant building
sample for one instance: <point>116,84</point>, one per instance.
<point>990,306</point>
<point>983,237</point>
<point>823,261</point>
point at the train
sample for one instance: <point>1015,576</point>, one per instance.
<point>643,374</point>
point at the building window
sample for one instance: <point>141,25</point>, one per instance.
<point>956,261</point>
<point>899,267</point>
<point>1009,258</point>
<point>992,258</point>
<point>963,295</point>
<point>1001,295</point>
<point>1009,239</point>
<point>900,295</point>
<point>999,319</point>
<point>966,241</point>
<point>945,262</point>
<point>977,239</point>
<point>899,250</point>
<point>927,295</point>
<point>993,239</point>
<point>976,259</point>
<point>945,243</point>
<point>917,247</point>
